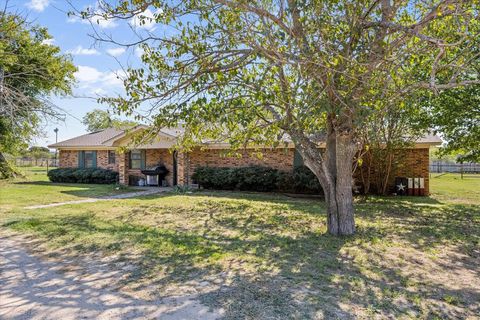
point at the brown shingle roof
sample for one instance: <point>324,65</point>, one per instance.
<point>107,137</point>
<point>93,139</point>
<point>430,139</point>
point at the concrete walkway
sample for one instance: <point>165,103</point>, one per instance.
<point>32,288</point>
<point>143,192</point>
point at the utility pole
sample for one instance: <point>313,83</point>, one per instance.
<point>56,140</point>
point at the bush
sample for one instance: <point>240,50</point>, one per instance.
<point>253,178</point>
<point>257,178</point>
<point>79,175</point>
<point>215,178</point>
<point>300,180</point>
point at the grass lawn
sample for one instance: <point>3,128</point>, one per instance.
<point>451,187</point>
<point>35,188</point>
<point>266,256</point>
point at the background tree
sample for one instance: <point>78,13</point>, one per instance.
<point>30,70</point>
<point>38,153</point>
<point>97,120</point>
<point>385,135</point>
<point>249,72</point>
<point>456,115</point>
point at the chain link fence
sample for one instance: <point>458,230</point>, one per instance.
<point>35,166</point>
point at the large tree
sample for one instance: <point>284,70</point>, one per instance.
<point>38,153</point>
<point>250,72</point>
<point>456,115</point>
<point>97,119</point>
<point>30,70</point>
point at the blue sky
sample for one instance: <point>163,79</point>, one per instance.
<point>97,63</point>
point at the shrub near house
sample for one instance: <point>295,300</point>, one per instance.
<point>87,175</point>
<point>257,178</point>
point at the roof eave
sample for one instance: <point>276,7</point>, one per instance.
<point>121,135</point>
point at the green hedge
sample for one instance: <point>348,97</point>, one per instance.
<point>257,178</point>
<point>87,175</point>
<point>300,180</point>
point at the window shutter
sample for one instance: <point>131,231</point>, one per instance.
<point>94,159</point>
<point>129,155</point>
<point>144,160</point>
<point>81,159</point>
<point>297,159</point>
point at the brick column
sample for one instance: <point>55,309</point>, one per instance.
<point>123,168</point>
<point>180,168</point>
<point>183,169</point>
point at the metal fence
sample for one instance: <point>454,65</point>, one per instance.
<point>41,162</point>
<point>441,167</point>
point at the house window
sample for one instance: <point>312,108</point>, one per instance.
<point>111,157</point>
<point>137,159</point>
<point>87,159</point>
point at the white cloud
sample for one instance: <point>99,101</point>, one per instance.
<point>139,51</point>
<point>99,92</point>
<point>49,42</point>
<point>104,23</point>
<point>144,20</point>
<point>116,51</point>
<point>88,74</point>
<point>38,5</point>
<point>112,79</point>
<point>94,81</point>
<point>81,51</point>
<point>95,20</point>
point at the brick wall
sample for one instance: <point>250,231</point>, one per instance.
<point>102,160</point>
<point>69,159</point>
<point>410,163</point>
<point>413,163</point>
<point>280,158</point>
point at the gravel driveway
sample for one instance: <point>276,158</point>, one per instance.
<point>35,288</point>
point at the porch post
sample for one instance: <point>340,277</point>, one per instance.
<point>182,169</point>
<point>123,168</point>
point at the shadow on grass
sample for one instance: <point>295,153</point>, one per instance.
<point>82,190</point>
<point>296,271</point>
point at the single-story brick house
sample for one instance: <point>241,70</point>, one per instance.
<point>100,149</point>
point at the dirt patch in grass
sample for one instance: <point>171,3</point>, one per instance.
<point>56,286</point>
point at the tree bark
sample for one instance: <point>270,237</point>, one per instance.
<point>330,169</point>
<point>6,171</point>
<point>333,169</point>
<point>345,151</point>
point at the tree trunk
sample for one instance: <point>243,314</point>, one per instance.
<point>335,176</point>
<point>333,168</point>
<point>330,170</point>
<point>343,186</point>
<point>6,170</point>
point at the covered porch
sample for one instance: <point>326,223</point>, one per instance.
<point>132,162</point>
<point>138,157</point>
